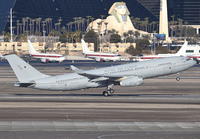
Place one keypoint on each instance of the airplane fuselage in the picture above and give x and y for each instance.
(102, 56)
(48, 57)
(143, 70)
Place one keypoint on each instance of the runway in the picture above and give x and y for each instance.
(160, 108)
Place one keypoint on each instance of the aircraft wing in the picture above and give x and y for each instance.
(98, 77)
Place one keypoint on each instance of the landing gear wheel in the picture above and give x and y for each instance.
(177, 78)
(105, 93)
(111, 91)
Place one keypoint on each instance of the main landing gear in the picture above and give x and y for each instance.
(178, 78)
(108, 90)
(106, 93)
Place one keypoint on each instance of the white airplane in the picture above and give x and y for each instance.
(100, 57)
(126, 75)
(1, 56)
(181, 52)
(44, 57)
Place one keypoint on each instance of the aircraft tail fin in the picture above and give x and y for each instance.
(84, 46)
(31, 48)
(24, 72)
(182, 50)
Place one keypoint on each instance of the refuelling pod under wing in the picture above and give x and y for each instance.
(131, 81)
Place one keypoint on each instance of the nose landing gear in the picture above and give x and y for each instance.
(178, 78)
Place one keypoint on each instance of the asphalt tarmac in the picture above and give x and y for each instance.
(160, 108)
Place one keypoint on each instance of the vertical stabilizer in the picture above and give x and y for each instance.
(31, 49)
(182, 50)
(84, 46)
(24, 72)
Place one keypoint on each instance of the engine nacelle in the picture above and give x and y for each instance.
(132, 81)
(98, 59)
(44, 60)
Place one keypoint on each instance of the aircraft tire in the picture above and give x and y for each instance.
(111, 91)
(105, 93)
(177, 78)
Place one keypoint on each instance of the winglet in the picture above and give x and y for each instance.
(77, 70)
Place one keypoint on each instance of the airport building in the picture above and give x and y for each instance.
(62, 48)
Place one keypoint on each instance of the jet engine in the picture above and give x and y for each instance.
(44, 60)
(132, 81)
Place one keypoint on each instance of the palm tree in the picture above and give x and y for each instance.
(171, 26)
(43, 25)
(88, 19)
(17, 27)
(137, 21)
(99, 26)
(173, 16)
(39, 20)
(77, 36)
(71, 23)
(186, 23)
(68, 24)
(33, 27)
(180, 24)
(24, 22)
(20, 25)
(150, 27)
(47, 25)
(56, 26)
(75, 20)
(30, 24)
(63, 29)
(27, 18)
(106, 24)
(92, 19)
(102, 16)
(137, 34)
(50, 25)
(83, 23)
(132, 18)
(79, 22)
(146, 22)
(154, 23)
(59, 22)
(175, 22)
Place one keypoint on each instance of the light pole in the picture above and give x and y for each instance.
(11, 38)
